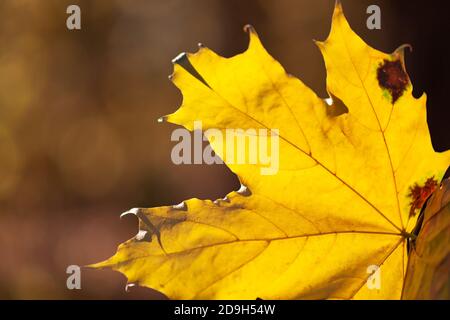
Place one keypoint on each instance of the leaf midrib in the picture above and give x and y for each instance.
(265, 240)
(378, 122)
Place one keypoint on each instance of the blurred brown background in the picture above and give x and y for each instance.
(79, 141)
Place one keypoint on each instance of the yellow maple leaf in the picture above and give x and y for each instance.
(342, 201)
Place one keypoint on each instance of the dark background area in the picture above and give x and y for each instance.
(79, 140)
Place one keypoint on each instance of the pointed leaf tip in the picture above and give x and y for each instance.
(179, 57)
(133, 211)
(248, 28)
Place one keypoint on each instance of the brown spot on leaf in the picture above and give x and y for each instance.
(420, 194)
(392, 77)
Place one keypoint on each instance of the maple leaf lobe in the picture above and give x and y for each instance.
(392, 77)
